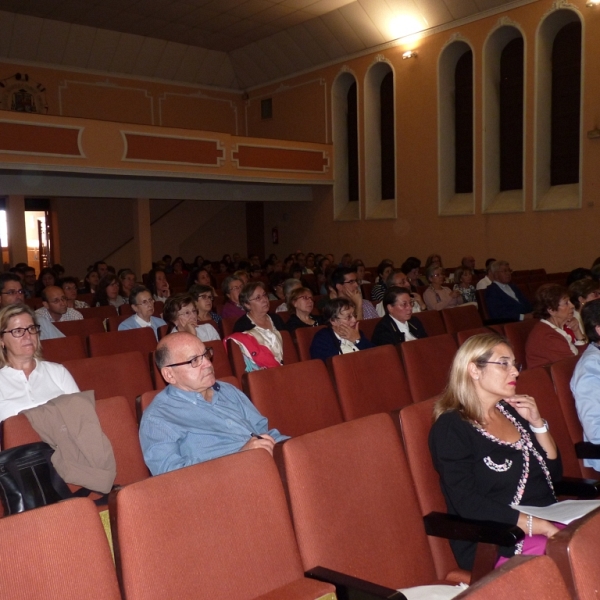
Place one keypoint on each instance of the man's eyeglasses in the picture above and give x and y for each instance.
(505, 364)
(20, 331)
(13, 293)
(195, 361)
(405, 304)
(351, 281)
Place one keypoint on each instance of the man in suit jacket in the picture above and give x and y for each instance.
(398, 325)
(504, 300)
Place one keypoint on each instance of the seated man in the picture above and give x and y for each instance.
(195, 418)
(344, 284)
(398, 279)
(505, 301)
(55, 306)
(486, 281)
(11, 292)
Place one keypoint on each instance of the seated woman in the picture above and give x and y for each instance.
(232, 286)
(436, 296)
(398, 325)
(26, 380)
(158, 285)
(300, 306)
(261, 324)
(463, 277)
(127, 282)
(585, 382)
(69, 286)
(581, 292)
(204, 295)
(46, 278)
(411, 267)
(142, 303)
(342, 336)
(558, 334)
(181, 315)
(383, 272)
(492, 448)
(108, 292)
(90, 283)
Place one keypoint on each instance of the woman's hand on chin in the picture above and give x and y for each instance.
(527, 408)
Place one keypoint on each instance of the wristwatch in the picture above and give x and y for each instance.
(543, 429)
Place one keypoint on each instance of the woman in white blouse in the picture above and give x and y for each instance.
(26, 380)
(181, 314)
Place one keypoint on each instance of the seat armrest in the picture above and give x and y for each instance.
(584, 489)
(353, 588)
(454, 527)
(587, 450)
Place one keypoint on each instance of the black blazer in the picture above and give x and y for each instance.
(387, 332)
(244, 323)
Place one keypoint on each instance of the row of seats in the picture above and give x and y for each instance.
(223, 529)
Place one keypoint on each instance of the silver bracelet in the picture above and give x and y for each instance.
(543, 429)
(530, 525)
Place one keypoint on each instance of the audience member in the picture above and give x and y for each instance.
(179, 267)
(436, 296)
(463, 276)
(505, 301)
(344, 284)
(486, 281)
(195, 418)
(203, 296)
(300, 306)
(142, 303)
(181, 314)
(585, 383)
(199, 276)
(158, 285)
(411, 267)
(433, 259)
(11, 292)
(232, 286)
(127, 282)
(342, 336)
(398, 279)
(46, 278)
(55, 307)
(90, 283)
(107, 293)
(359, 265)
(578, 274)
(558, 334)
(383, 272)
(398, 325)
(289, 285)
(580, 292)
(29, 280)
(101, 268)
(69, 286)
(26, 380)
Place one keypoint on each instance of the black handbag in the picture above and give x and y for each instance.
(28, 478)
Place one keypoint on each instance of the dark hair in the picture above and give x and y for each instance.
(198, 289)
(69, 279)
(391, 295)
(577, 274)
(582, 288)
(412, 262)
(333, 308)
(194, 275)
(101, 295)
(548, 297)
(5, 277)
(226, 283)
(590, 314)
(294, 295)
(174, 304)
(488, 263)
(152, 280)
(339, 274)
(138, 289)
(382, 266)
(460, 272)
(39, 284)
(248, 290)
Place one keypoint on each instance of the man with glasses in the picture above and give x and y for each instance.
(505, 301)
(11, 292)
(195, 418)
(55, 306)
(399, 279)
(344, 284)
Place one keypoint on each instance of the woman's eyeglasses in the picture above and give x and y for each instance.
(19, 332)
(506, 365)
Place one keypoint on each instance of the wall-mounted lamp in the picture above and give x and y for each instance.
(411, 54)
(593, 134)
(591, 3)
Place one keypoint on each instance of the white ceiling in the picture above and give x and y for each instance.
(233, 44)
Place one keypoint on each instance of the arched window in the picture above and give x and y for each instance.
(463, 124)
(352, 127)
(511, 116)
(388, 150)
(566, 101)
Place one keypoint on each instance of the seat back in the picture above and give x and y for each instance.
(82, 328)
(575, 551)
(463, 336)
(192, 533)
(415, 423)
(461, 318)
(516, 334)
(296, 398)
(61, 349)
(367, 326)
(126, 310)
(304, 338)
(124, 374)
(115, 342)
(58, 552)
(290, 354)
(432, 322)
(522, 578)
(354, 505)
(112, 323)
(116, 422)
(427, 364)
(538, 383)
(227, 324)
(236, 359)
(370, 382)
(98, 312)
(482, 305)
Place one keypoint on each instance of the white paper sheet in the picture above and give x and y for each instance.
(562, 512)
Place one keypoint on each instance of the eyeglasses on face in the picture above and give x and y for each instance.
(145, 302)
(505, 364)
(187, 313)
(235, 288)
(205, 297)
(195, 361)
(307, 298)
(259, 297)
(13, 293)
(19, 332)
(405, 304)
(351, 281)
